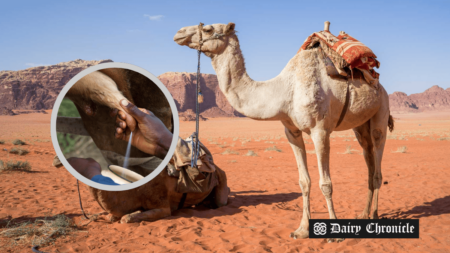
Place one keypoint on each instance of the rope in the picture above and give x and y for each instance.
(79, 197)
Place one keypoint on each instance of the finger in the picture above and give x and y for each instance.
(113, 113)
(132, 110)
(119, 130)
(120, 123)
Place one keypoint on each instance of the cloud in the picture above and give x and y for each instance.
(156, 17)
(35, 64)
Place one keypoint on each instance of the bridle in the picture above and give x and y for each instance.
(195, 135)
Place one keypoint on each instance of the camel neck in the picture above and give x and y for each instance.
(254, 99)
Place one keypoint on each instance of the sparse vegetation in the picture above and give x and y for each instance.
(230, 152)
(233, 161)
(19, 151)
(273, 148)
(2, 141)
(251, 153)
(402, 149)
(348, 150)
(16, 166)
(40, 232)
(391, 137)
(444, 139)
(18, 142)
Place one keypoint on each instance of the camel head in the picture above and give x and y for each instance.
(215, 37)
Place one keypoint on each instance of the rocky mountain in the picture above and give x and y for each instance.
(182, 86)
(433, 99)
(37, 88)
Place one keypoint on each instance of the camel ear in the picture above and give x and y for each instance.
(229, 28)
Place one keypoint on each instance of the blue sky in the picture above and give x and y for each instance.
(410, 38)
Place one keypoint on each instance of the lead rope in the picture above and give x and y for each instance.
(198, 100)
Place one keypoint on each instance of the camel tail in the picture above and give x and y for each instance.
(391, 123)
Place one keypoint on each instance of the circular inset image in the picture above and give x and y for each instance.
(114, 126)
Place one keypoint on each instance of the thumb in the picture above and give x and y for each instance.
(132, 110)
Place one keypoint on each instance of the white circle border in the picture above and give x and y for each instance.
(124, 187)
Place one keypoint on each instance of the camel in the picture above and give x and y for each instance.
(306, 100)
(94, 96)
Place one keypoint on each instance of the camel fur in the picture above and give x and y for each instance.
(306, 100)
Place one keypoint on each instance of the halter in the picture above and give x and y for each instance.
(194, 136)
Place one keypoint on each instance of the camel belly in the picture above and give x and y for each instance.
(364, 102)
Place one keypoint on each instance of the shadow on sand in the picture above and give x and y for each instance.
(435, 207)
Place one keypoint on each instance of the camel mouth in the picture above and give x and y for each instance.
(181, 40)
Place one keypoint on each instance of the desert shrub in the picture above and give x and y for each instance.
(17, 166)
(230, 152)
(18, 142)
(444, 139)
(233, 161)
(348, 150)
(391, 137)
(273, 148)
(19, 151)
(40, 232)
(402, 149)
(2, 165)
(2, 141)
(251, 153)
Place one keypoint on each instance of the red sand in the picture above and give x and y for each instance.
(265, 203)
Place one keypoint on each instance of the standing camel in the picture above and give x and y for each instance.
(306, 100)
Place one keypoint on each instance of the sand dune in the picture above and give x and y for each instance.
(265, 203)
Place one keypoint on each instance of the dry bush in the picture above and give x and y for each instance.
(273, 148)
(270, 142)
(235, 138)
(16, 166)
(346, 140)
(40, 232)
(391, 137)
(230, 152)
(18, 142)
(19, 151)
(444, 139)
(251, 153)
(348, 150)
(401, 149)
(233, 161)
(402, 138)
(2, 141)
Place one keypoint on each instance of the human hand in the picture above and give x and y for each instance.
(150, 135)
(86, 167)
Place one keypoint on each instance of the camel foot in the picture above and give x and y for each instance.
(363, 215)
(300, 233)
(375, 215)
(330, 240)
(128, 218)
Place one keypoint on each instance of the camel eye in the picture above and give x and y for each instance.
(208, 29)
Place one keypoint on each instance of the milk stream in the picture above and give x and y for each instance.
(127, 155)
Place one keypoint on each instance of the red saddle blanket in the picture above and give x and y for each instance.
(354, 52)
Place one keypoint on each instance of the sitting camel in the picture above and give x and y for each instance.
(306, 100)
(94, 96)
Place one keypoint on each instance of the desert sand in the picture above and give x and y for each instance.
(265, 203)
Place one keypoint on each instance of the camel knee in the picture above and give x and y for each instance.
(377, 135)
(305, 186)
(377, 179)
(327, 189)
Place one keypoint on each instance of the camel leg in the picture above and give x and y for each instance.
(296, 140)
(364, 138)
(150, 215)
(378, 130)
(321, 139)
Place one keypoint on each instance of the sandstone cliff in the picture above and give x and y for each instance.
(37, 88)
(433, 99)
(182, 86)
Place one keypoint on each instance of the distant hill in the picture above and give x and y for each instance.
(433, 99)
(37, 88)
